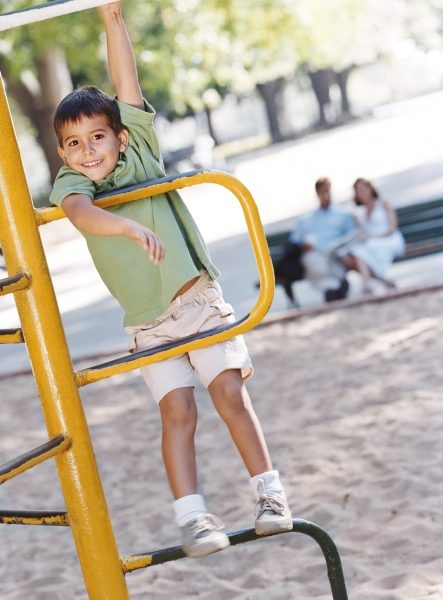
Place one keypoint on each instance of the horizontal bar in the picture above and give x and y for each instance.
(11, 336)
(15, 283)
(34, 517)
(33, 457)
(136, 360)
(44, 11)
(327, 545)
(415, 250)
(138, 191)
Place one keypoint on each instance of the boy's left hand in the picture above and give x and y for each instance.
(146, 239)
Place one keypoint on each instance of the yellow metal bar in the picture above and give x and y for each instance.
(10, 285)
(51, 362)
(11, 336)
(16, 517)
(259, 246)
(132, 563)
(34, 457)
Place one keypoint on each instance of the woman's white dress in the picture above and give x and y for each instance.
(378, 253)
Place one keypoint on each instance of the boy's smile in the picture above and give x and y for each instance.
(91, 147)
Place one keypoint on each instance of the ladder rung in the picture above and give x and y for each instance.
(11, 336)
(327, 545)
(33, 457)
(113, 367)
(34, 517)
(158, 557)
(15, 283)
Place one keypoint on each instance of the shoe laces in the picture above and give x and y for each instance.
(205, 523)
(268, 501)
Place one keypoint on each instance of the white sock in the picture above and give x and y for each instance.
(271, 481)
(188, 508)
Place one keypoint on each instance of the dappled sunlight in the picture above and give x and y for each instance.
(397, 340)
(309, 326)
(97, 415)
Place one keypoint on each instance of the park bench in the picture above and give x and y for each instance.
(421, 225)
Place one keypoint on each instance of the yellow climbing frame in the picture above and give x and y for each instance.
(57, 382)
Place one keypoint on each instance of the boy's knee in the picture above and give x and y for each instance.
(178, 409)
(229, 394)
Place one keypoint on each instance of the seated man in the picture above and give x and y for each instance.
(314, 247)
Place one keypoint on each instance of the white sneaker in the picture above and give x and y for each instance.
(272, 514)
(203, 535)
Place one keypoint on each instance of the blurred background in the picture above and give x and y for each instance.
(278, 92)
(232, 74)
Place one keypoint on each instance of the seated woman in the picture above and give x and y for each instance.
(380, 240)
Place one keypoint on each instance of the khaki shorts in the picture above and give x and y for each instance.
(200, 308)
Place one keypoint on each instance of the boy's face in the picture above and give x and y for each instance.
(91, 147)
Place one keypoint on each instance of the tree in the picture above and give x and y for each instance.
(185, 47)
(261, 37)
(37, 75)
(339, 35)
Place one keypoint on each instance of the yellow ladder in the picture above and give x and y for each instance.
(57, 382)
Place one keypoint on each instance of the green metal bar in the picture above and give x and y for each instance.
(327, 545)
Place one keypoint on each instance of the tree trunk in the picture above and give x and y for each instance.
(55, 83)
(38, 102)
(321, 83)
(272, 95)
(342, 82)
(211, 130)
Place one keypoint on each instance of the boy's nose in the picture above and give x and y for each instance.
(87, 149)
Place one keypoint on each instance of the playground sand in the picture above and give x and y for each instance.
(350, 402)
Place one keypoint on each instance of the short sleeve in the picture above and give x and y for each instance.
(69, 182)
(140, 124)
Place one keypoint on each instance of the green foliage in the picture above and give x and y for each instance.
(343, 33)
(184, 47)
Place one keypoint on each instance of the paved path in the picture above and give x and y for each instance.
(401, 148)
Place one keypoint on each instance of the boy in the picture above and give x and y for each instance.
(152, 258)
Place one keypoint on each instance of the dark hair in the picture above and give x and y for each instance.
(368, 184)
(322, 181)
(86, 101)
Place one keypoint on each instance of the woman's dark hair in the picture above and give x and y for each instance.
(86, 101)
(368, 184)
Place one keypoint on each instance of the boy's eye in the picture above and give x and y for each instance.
(73, 143)
(98, 136)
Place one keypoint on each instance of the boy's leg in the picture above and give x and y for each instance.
(231, 399)
(201, 532)
(178, 412)
(232, 402)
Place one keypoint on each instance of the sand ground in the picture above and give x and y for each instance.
(350, 402)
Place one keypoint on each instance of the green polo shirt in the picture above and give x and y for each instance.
(143, 289)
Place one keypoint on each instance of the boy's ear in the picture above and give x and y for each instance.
(62, 154)
(123, 138)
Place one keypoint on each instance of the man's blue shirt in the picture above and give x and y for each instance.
(322, 227)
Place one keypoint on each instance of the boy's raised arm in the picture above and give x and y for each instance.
(121, 60)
